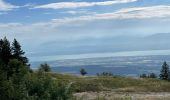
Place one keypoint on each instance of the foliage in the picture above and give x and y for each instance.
(5, 50)
(143, 76)
(45, 67)
(151, 75)
(164, 71)
(83, 72)
(18, 83)
(43, 87)
(18, 53)
(105, 74)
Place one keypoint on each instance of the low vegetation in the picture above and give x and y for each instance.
(151, 75)
(114, 83)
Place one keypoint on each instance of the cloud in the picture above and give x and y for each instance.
(76, 12)
(62, 5)
(161, 11)
(127, 13)
(4, 6)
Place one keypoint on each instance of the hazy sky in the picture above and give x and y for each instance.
(41, 22)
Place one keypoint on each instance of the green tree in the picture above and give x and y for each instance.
(5, 51)
(143, 76)
(105, 74)
(13, 82)
(45, 67)
(83, 72)
(1, 45)
(17, 67)
(164, 71)
(19, 79)
(5, 54)
(18, 53)
(152, 75)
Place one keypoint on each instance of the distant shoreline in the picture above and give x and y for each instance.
(97, 55)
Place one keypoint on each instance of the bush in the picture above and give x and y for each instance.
(45, 67)
(105, 74)
(143, 76)
(83, 71)
(151, 75)
(41, 86)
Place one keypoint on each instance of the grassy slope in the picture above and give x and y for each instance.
(115, 84)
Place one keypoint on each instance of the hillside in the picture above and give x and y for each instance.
(116, 87)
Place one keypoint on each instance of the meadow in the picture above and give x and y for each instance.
(115, 87)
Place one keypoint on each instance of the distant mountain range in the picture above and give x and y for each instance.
(160, 41)
(160, 36)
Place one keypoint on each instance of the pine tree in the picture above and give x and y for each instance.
(164, 71)
(1, 45)
(5, 51)
(18, 53)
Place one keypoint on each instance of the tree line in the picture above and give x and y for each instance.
(164, 73)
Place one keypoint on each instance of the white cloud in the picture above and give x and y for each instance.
(4, 6)
(82, 11)
(74, 12)
(128, 13)
(62, 5)
(143, 12)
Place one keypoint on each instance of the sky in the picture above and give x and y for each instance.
(46, 27)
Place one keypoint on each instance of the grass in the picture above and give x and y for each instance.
(122, 96)
(117, 83)
(114, 88)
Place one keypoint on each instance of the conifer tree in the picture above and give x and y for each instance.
(164, 71)
(1, 44)
(5, 50)
(18, 53)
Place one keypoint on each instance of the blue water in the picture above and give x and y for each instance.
(122, 63)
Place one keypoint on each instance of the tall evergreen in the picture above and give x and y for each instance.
(18, 53)
(164, 71)
(5, 50)
(1, 44)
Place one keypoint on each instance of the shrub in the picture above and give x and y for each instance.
(105, 74)
(83, 72)
(45, 67)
